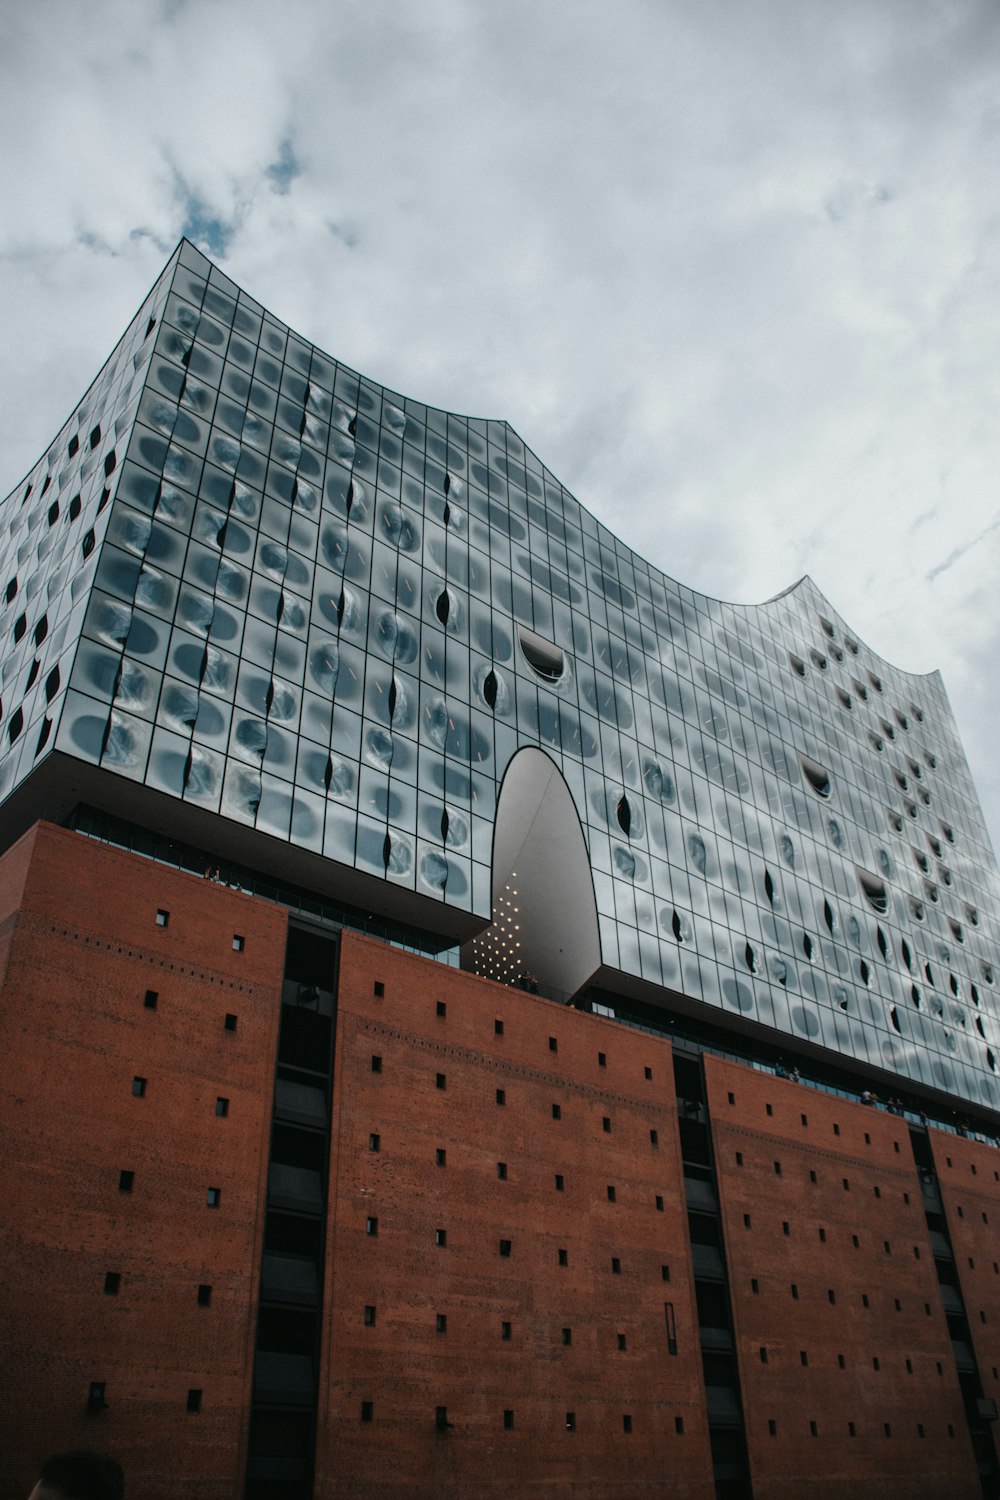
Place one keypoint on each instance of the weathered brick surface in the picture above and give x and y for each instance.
(968, 1176)
(74, 1032)
(881, 1205)
(406, 1368)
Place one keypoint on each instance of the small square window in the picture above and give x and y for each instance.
(441, 1418)
(747, 1222)
(441, 1081)
(556, 1112)
(230, 1021)
(112, 1282)
(151, 999)
(374, 1142)
(803, 1357)
(505, 1247)
(505, 1331)
(836, 1129)
(622, 1341)
(732, 1098)
(162, 917)
(560, 1182)
(812, 1175)
(611, 1193)
(441, 1323)
(194, 1400)
(502, 1171)
(626, 1423)
(567, 1336)
(804, 1119)
(887, 1429)
(616, 1266)
(508, 1419)
(909, 1367)
(841, 1362)
(795, 1292)
(654, 1138)
(498, 1027)
(665, 1273)
(769, 1109)
(739, 1158)
(777, 1169)
(126, 1181)
(213, 1197)
(367, 1411)
(647, 1073)
(772, 1427)
(855, 1242)
(847, 1185)
(571, 1421)
(786, 1228)
(659, 1203)
(239, 942)
(440, 1156)
(606, 1125)
(602, 1060)
(831, 1296)
(813, 1429)
(139, 1087)
(501, 1096)
(376, 1062)
(553, 1044)
(755, 1286)
(679, 1426)
(763, 1355)
(370, 1315)
(440, 1236)
(564, 1257)
(221, 1106)
(441, 1008)
(852, 1430)
(898, 1305)
(371, 1225)
(204, 1294)
(378, 989)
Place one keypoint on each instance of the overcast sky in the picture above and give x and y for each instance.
(731, 269)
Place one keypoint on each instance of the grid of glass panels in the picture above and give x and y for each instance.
(304, 616)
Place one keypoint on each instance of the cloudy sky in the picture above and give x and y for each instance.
(731, 269)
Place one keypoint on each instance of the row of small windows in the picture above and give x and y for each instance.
(765, 1353)
(97, 1397)
(852, 1429)
(505, 1247)
(441, 1010)
(126, 1184)
(370, 1319)
(113, 1283)
(831, 1297)
(442, 1423)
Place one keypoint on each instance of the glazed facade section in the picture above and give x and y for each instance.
(251, 579)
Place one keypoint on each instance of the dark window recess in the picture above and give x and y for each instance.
(571, 1421)
(441, 1323)
(501, 1096)
(616, 1266)
(239, 942)
(214, 1197)
(368, 1411)
(151, 999)
(221, 1107)
(502, 1171)
(556, 1112)
(440, 1157)
(559, 1182)
(126, 1181)
(612, 1195)
(112, 1283)
(553, 1044)
(95, 1395)
(230, 1022)
(606, 1125)
(602, 1060)
(647, 1073)
(508, 1419)
(374, 1142)
(498, 1028)
(139, 1087)
(563, 1257)
(441, 1008)
(162, 917)
(376, 1063)
(371, 1225)
(204, 1294)
(626, 1423)
(505, 1332)
(622, 1342)
(654, 1139)
(379, 989)
(441, 1081)
(567, 1336)
(440, 1236)
(369, 1316)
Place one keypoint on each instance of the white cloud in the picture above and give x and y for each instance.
(732, 271)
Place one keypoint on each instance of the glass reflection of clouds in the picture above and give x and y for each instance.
(260, 583)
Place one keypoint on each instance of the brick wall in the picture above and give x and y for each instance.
(75, 1030)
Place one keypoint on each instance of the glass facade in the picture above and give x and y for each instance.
(248, 577)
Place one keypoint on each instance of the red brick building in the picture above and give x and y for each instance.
(274, 1190)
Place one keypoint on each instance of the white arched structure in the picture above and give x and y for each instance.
(545, 926)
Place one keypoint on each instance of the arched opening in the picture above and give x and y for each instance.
(544, 934)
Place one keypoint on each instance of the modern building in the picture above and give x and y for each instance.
(479, 1017)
